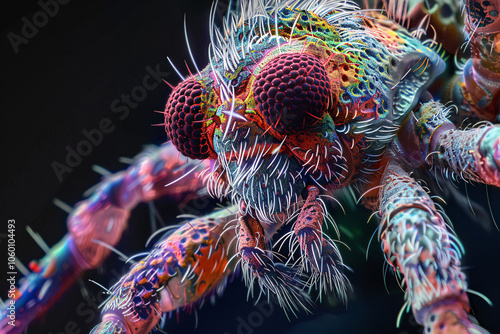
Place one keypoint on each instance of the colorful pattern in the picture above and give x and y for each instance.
(301, 98)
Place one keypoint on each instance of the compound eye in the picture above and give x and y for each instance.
(292, 92)
(184, 119)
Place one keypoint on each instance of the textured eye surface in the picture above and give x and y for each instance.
(184, 115)
(292, 91)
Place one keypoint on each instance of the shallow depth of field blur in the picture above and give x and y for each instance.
(65, 79)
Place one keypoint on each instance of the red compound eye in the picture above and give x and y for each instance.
(184, 115)
(292, 92)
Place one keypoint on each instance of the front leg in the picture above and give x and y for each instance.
(257, 263)
(156, 173)
(318, 252)
(182, 269)
(418, 244)
(99, 221)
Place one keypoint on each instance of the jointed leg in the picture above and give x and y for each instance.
(182, 269)
(418, 244)
(473, 154)
(257, 263)
(104, 215)
(99, 221)
(478, 88)
(317, 250)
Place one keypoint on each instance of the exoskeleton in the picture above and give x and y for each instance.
(300, 101)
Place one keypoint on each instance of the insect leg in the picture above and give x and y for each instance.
(157, 173)
(418, 244)
(479, 86)
(472, 154)
(99, 221)
(180, 271)
(257, 263)
(318, 251)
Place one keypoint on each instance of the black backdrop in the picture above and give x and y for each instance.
(64, 78)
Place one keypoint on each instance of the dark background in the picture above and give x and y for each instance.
(64, 80)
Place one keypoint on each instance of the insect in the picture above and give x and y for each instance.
(234, 113)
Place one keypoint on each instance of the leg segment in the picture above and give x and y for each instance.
(182, 269)
(308, 230)
(317, 250)
(479, 87)
(257, 263)
(104, 215)
(473, 154)
(100, 220)
(418, 244)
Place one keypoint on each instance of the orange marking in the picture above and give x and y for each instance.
(426, 63)
(419, 66)
(50, 269)
(213, 268)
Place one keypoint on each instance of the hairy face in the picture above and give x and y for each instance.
(312, 101)
(274, 136)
